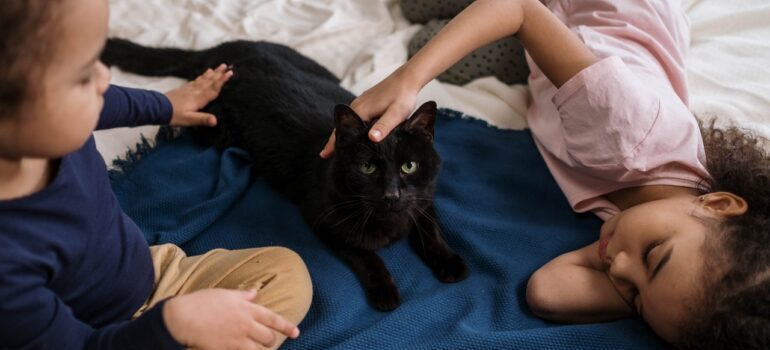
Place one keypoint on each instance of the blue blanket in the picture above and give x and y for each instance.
(496, 201)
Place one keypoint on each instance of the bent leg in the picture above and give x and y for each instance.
(278, 274)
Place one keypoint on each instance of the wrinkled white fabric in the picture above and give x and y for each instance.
(362, 41)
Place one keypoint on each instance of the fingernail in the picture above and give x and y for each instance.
(295, 333)
(376, 134)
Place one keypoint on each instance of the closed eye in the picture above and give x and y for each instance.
(646, 253)
(665, 256)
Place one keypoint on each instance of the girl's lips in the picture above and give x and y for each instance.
(603, 248)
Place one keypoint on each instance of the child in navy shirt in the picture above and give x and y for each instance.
(75, 271)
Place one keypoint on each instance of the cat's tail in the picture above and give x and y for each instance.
(134, 58)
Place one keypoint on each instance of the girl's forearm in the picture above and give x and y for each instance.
(557, 51)
(483, 22)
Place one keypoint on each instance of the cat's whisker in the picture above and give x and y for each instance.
(346, 218)
(358, 228)
(330, 210)
(368, 215)
(427, 215)
(418, 227)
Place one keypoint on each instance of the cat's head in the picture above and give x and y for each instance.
(393, 176)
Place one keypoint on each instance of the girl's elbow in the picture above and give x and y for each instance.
(542, 295)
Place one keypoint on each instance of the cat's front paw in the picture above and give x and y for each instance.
(384, 298)
(454, 269)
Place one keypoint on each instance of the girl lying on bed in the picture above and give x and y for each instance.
(75, 271)
(684, 243)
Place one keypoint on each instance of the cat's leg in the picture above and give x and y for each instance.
(430, 245)
(379, 287)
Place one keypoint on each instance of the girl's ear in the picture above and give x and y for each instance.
(723, 204)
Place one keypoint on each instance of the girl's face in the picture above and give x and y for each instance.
(653, 254)
(59, 119)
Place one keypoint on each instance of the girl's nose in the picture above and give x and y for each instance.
(621, 266)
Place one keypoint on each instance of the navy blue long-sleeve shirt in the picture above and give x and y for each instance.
(73, 267)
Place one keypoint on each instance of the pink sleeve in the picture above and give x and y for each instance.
(617, 132)
(606, 114)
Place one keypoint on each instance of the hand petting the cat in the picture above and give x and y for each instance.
(188, 99)
(393, 99)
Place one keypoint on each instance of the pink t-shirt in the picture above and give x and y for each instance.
(623, 121)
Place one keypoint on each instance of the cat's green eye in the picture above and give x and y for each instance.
(367, 168)
(409, 167)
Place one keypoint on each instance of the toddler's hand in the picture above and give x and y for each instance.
(223, 319)
(190, 98)
(392, 99)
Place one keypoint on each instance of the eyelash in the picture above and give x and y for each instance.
(647, 251)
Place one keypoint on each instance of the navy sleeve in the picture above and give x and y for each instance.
(33, 317)
(133, 107)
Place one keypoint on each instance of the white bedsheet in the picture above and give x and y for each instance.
(362, 41)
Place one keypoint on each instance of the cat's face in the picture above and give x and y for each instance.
(392, 177)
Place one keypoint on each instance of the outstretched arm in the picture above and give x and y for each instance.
(179, 107)
(558, 52)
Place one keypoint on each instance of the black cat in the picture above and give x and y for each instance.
(278, 106)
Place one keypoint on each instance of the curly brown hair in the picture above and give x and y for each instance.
(734, 307)
(25, 44)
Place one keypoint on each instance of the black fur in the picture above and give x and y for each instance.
(281, 107)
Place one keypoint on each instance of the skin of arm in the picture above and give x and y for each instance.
(558, 52)
(573, 288)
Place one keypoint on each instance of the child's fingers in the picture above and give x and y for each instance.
(212, 74)
(262, 335)
(329, 147)
(198, 119)
(274, 321)
(222, 79)
(386, 124)
(206, 75)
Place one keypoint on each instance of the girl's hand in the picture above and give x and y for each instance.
(190, 98)
(223, 319)
(392, 99)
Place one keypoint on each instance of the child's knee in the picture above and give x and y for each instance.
(295, 276)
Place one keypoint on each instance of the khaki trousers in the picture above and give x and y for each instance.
(278, 274)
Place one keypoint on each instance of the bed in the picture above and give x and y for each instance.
(361, 42)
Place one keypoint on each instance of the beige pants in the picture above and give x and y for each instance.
(278, 274)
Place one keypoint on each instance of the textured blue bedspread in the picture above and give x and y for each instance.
(498, 206)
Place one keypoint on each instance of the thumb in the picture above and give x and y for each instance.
(200, 119)
(249, 295)
(329, 148)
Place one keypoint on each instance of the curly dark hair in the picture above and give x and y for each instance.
(734, 308)
(25, 44)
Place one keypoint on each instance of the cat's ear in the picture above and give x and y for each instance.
(349, 125)
(422, 120)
